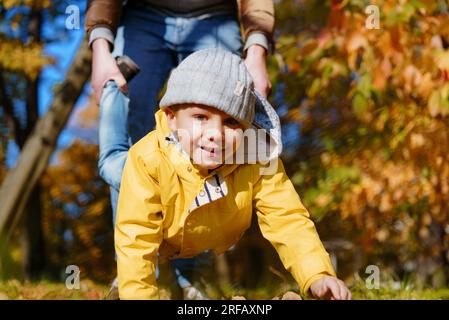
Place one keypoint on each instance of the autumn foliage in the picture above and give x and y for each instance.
(372, 108)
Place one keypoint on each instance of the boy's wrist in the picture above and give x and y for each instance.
(307, 286)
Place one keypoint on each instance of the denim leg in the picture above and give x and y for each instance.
(114, 202)
(144, 42)
(113, 138)
(214, 32)
(186, 269)
(141, 37)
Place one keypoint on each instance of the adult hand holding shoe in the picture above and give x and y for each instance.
(104, 68)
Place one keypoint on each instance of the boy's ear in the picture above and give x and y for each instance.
(171, 118)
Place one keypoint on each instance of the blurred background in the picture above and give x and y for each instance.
(362, 89)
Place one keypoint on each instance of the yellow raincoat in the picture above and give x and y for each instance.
(165, 206)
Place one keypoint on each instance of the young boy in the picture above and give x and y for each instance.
(185, 189)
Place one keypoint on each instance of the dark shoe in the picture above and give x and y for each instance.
(127, 67)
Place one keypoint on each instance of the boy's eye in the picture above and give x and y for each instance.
(232, 122)
(200, 117)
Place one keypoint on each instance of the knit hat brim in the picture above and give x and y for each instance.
(266, 118)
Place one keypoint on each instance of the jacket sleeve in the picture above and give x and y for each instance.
(102, 19)
(138, 230)
(257, 19)
(285, 222)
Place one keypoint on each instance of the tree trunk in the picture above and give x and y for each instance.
(32, 240)
(18, 184)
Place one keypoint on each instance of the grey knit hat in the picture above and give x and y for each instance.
(219, 79)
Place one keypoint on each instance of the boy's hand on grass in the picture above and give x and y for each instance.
(255, 62)
(104, 68)
(329, 287)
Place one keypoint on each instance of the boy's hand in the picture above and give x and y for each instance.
(104, 68)
(329, 287)
(255, 62)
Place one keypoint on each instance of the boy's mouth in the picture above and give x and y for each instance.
(211, 151)
(209, 148)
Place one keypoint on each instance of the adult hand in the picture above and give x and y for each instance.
(255, 62)
(104, 68)
(329, 287)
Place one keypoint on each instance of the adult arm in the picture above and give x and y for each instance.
(257, 21)
(102, 19)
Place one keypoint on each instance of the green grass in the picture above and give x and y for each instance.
(401, 293)
(15, 290)
(389, 290)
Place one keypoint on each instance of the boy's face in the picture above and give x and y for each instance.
(208, 135)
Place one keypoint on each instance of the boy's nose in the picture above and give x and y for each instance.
(214, 133)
